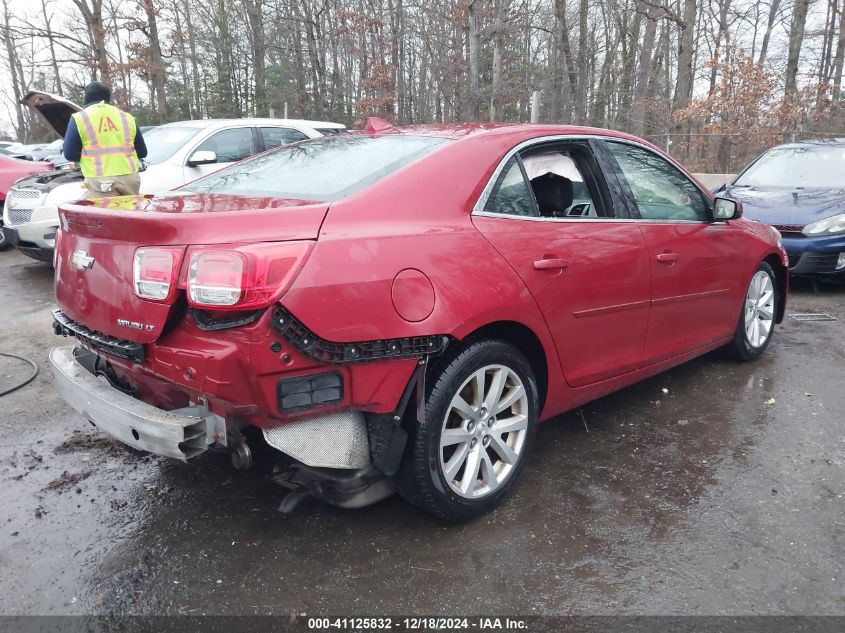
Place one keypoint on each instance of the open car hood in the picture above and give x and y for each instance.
(53, 110)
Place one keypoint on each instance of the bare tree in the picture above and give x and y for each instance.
(796, 39)
(92, 13)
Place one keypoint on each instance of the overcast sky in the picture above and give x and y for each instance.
(63, 14)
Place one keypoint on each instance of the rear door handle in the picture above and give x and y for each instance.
(668, 258)
(550, 264)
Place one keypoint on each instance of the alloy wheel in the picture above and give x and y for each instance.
(484, 431)
(759, 309)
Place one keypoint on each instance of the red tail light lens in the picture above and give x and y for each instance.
(154, 272)
(215, 278)
(243, 277)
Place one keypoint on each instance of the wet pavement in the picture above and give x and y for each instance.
(714, 488)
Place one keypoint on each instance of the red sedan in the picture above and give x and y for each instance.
(399, 308)
(12, 170)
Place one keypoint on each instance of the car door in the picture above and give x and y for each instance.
(694, 271)
(229, 145)
(585, 264)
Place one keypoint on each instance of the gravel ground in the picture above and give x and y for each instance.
(714, 488)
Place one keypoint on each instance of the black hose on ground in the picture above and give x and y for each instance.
(31, 377)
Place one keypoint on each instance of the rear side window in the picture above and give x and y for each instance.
(511, 194)
(275, 136)
(324, 169)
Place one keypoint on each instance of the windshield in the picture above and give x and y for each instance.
(323, 170)
(163, 142)
(811, 167)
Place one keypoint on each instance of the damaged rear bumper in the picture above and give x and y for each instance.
(181, 434)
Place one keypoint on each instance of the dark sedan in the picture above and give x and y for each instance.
(799, 188)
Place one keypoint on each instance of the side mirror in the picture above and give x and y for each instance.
(202, 157)
(727, 209)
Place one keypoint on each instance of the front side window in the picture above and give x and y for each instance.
(275, 136)
(230, 145)
(660, 190)
(324, 169)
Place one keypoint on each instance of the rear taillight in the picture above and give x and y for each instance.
(215, 278)
(154, 272)
(242, 277)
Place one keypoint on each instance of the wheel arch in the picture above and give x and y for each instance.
(782, 279)
(524, 339)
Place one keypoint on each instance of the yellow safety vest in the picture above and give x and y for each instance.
(108, 141)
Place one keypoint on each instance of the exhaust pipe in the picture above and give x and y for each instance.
(241, 456)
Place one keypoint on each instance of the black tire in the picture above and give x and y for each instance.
(740, 348)
(421, 480)
(4, 243)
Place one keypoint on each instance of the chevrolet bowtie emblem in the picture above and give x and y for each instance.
(82, 260)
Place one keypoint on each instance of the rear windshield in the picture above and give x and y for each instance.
(163, 142)
(811, 167)
(323, 170)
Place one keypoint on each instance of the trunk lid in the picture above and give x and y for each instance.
(97, 242)
(53, 110)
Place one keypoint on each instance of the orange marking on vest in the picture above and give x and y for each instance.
(107, 125)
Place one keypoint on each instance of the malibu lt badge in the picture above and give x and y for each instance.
(146, 327)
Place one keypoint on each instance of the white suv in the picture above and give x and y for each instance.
(177, 154)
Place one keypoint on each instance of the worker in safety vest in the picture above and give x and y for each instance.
(106, 143)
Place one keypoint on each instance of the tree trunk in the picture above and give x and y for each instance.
(583, 69)
(93, 17)
(48, 29)
(496, 108)
(796, 39)
(629, 28)
(565, 65)
(22, 127)
(159, 76)
(722, 33)
(255, 16)
(770, 25)
(840, 55)
(474, 37)
(683, 85)
(195, 73)
(638, 111)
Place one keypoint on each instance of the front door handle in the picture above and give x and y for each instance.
(550, 264)
(668, 258)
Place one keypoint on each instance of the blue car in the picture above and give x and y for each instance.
(799, 188)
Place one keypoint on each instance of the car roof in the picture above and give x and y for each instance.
(525, 131)
(813, 142)
(204, 123)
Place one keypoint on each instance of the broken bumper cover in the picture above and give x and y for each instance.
(178, 434)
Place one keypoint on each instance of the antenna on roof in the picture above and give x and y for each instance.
(377, 124)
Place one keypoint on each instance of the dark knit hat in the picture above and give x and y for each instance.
(95, 91)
